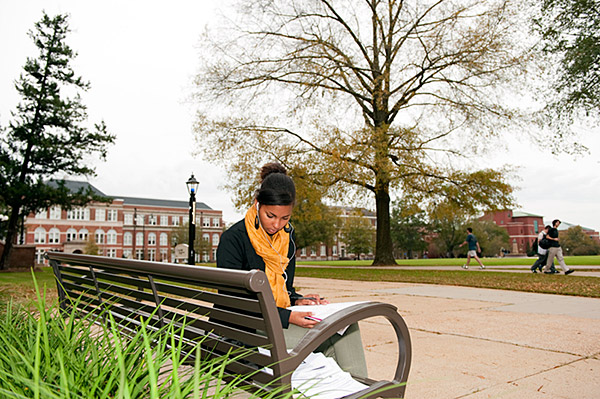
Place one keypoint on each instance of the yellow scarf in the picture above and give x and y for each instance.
(274, 254)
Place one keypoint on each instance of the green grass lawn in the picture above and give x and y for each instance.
(570, 260)
(528, 282)
(19, 286)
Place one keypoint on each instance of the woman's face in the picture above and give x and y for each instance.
(274, 217)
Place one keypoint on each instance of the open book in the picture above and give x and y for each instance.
(321, 312)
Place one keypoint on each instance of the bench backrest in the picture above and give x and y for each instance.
(233, 309)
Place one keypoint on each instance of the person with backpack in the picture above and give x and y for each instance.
(555, 250)
(542, 250)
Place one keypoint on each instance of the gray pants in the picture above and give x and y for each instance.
(347, 350)
(552, 252)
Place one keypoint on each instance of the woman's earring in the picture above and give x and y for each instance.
(256, 222)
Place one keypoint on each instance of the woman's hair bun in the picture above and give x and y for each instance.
(276, 187)
(270, 168)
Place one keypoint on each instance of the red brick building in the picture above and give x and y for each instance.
(522, 228)
(127, 227)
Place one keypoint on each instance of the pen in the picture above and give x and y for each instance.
(313, 318)
(310, 297)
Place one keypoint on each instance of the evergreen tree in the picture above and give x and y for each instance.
(47, 137)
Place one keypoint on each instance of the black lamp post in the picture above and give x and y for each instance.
(192, 186)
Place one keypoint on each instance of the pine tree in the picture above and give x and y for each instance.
(47, 137)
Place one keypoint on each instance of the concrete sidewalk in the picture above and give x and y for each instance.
(480, 343)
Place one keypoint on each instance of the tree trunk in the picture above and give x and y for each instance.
(384, 251)
(11, 233)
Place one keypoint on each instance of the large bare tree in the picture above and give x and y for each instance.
(367, 96)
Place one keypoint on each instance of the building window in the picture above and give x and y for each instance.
(205, 257)
(164, 220)
(127, 238)
(111, 237)
(139, 220)
(163, 239)
(152, 255)
(112, 215)
(139, 254)
(205, 222)
(175, 220)
(216, 222)
(139, 239)
(39, 236)
(152, 220)
(303, 252)
(205, 237)
(99, 236)
(100, 215)
(312, 251)
(323, 250)
(128, 218)
(78, 214)
(111, 253)
(127, 253)
(43, 214)
(164, 255)
(536, 227)
(83, 234)
(55, 213)
(54, 236)
(71, 234)
(214, 254)
(152, 239)
(334, 250)
(215, 239)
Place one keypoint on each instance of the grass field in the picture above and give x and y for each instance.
(19, 286)
(528, 282)
(570, 260)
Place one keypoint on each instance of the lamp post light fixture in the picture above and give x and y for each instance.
(192, 186)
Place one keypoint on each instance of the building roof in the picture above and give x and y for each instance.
(566, 226)
(159, 202)
(521, 214)
(74, 185)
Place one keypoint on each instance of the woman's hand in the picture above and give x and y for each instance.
(318, 300)
(300, 319)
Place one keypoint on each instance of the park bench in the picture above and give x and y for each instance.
(227, 309)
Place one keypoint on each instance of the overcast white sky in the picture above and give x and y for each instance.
(140, 58)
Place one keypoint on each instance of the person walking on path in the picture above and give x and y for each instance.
(474, 247)
(542, 253)
(555, 250)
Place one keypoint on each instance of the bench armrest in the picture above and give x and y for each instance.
(332, 324)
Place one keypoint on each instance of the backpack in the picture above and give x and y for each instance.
(544, 243)
(534, 245)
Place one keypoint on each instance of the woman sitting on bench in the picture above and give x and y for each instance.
(264, 240)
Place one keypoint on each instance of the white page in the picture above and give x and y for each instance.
(320, 377)
(324, 311)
